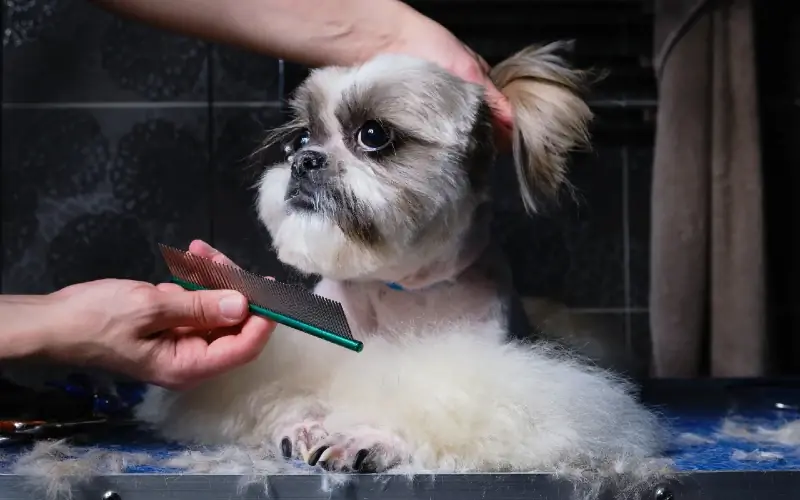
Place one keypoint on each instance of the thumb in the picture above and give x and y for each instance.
(201, 309)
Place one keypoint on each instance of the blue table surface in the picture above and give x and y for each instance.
(694, 413)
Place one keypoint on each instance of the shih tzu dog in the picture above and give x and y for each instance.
(384, 193)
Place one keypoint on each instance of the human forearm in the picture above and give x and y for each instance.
(26, 323)
(311, 32)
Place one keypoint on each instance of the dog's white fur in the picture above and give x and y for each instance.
(458, 400)
(439, 385)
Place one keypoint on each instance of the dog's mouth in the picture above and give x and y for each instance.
(303, 197)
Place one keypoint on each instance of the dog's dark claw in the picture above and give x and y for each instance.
(359, 461)
(325, 465)
(314, 458)
(286, 448)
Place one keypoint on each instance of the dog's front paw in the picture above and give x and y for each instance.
(297, 440)
(363, 450)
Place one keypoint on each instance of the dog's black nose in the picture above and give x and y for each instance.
(306, 161)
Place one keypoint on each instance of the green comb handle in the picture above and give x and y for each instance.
(353, 345)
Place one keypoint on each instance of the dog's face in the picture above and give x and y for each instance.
(385, 165)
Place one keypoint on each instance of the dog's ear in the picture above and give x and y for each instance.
(550, 118)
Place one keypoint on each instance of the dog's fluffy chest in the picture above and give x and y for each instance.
(377, 309)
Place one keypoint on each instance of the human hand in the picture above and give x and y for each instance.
(430, 40)
(161, 334)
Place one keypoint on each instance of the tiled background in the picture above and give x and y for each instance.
(778, 37)
(117, 136)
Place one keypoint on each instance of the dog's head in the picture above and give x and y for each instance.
(386, 163)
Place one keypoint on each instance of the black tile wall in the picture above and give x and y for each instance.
(243, 76)
(624, 337)
(638, 162)
(69, 51)
(117, 136)
(779, 82)
(576, 254)
(607, 35)
(87, 193)
(639, 339)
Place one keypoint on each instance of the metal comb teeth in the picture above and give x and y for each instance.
(292, 305)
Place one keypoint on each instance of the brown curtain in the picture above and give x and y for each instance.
(707, 303)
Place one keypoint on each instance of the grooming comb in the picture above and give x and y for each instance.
(291, 305)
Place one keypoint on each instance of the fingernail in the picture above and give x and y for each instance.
(205, 246)
(232, 306)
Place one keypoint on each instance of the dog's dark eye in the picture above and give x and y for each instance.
(373, 137)
(301, 140)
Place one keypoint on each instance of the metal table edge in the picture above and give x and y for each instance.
(684, 485)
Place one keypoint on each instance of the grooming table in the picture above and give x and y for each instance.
(712, 465)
